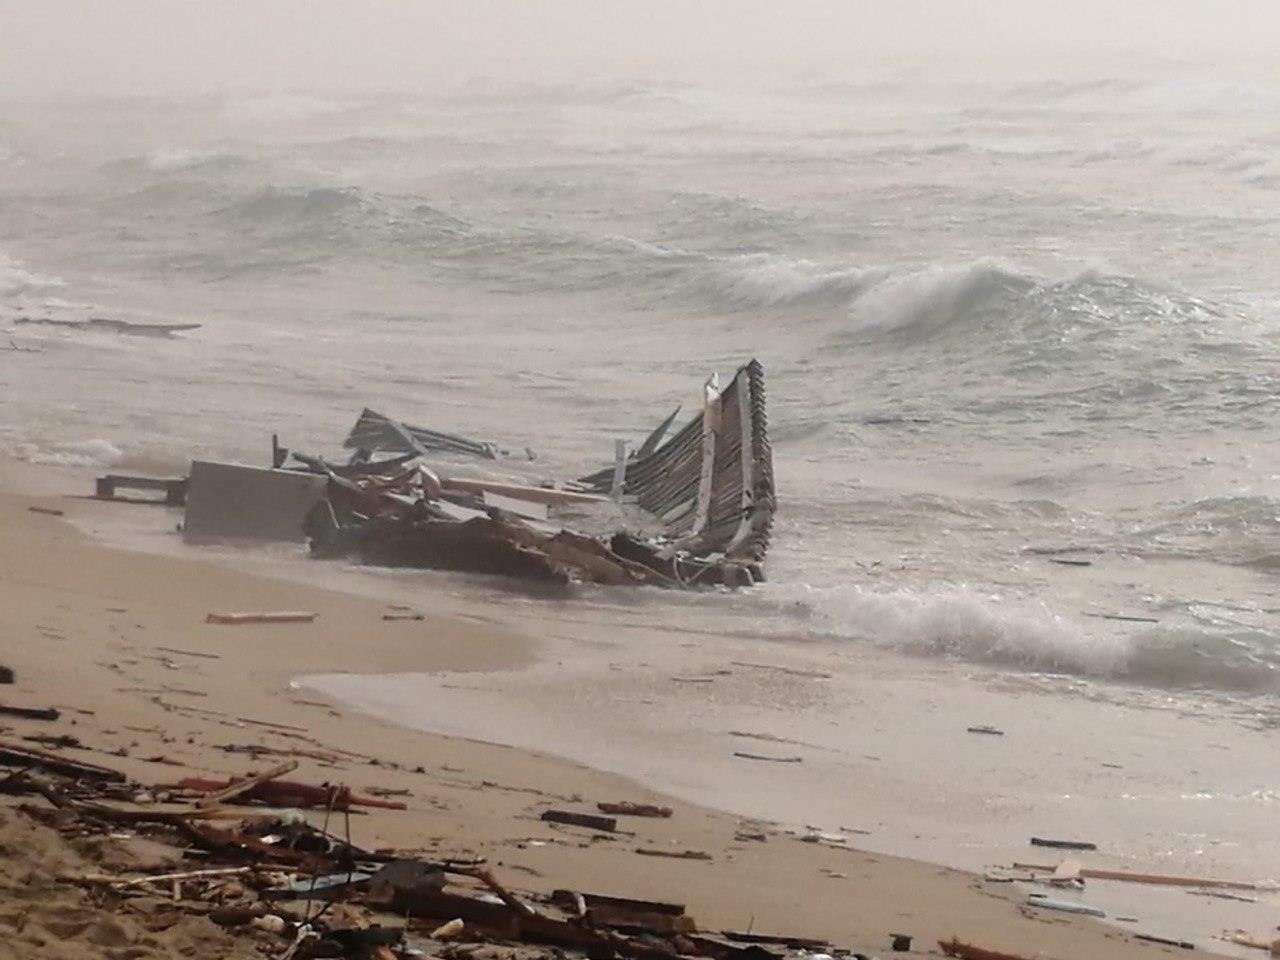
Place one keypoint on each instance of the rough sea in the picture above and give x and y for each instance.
(1005, 323)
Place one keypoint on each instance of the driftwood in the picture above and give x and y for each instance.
(794, 943)
(190, 653)
(629, 809)
(761, 756)
(239, 787)
(591, 821)
(1063, 844)
(288, 793)
(1069, 869)
(286, 616)
(674, 854)
(215, 872)
(14, 755)
(1164, 941)
(30, 713)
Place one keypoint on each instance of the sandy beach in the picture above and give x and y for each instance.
(97, 632)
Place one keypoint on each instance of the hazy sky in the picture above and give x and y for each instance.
(162, 46)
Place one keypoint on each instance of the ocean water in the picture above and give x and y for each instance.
(1005, 321)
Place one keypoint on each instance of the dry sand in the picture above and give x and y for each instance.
(84, 626)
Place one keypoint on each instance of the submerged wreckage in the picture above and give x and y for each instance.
(691, 507)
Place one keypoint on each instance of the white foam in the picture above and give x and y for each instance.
(15, 279)
(876, 298)
(77, 453)
(768, 280)
(930, 298)
(962, 623)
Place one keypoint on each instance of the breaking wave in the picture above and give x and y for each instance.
(15, 279)
(872, 299)
(963, 625)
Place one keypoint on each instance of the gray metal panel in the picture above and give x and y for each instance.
(228, 501)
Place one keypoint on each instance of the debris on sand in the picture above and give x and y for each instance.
(267, 873)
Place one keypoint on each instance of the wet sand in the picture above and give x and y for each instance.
(85, 625)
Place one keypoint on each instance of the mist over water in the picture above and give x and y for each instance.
(1004, 320)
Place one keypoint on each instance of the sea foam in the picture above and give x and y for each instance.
(76, 453)
(15, 279)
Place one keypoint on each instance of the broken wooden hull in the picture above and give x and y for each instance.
(708, 490)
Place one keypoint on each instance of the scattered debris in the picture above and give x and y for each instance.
(605, 824)
(13, 755)
(51, 511)
(674, 854)
(1068, 562)
(1219, 895)
(236, 619)
(245, 872)
(626, 914)
(760, 756)
(1064, 906)
(1073, 868)
(173, 488)
(404, 616)
(992, 731)
(629, 809)
(793, 943)
(1063, 844)
(447, 931)
(238, 787)
(190, 653)
(1164, 941)
(281, 793)
(30, 713)
(373, 432)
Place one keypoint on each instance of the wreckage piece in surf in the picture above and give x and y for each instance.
(696, 509)
(375, 432)
(711, 485)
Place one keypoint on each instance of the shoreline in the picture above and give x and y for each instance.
(474, 797)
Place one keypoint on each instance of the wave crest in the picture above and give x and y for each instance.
(873, 299)
(15, 279)
(964, 625)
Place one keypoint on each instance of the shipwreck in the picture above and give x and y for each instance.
(689, 506)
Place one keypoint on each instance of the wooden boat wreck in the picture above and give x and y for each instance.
(690, 509)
